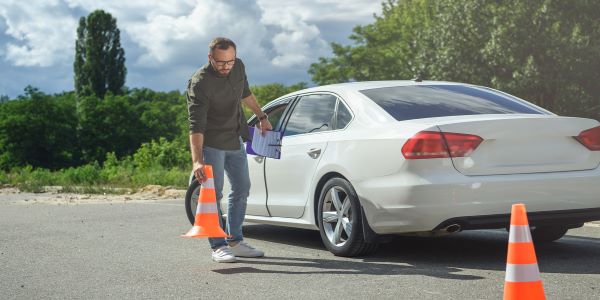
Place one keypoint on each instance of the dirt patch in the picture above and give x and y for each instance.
(53, 196)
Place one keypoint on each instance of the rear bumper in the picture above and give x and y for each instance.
(572, 218)
(411, 202)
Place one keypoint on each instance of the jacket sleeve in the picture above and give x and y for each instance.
(198, 105)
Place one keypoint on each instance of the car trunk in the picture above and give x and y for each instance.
(527, 144)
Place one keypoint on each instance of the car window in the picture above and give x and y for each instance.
(427, 101)
(343, 116)
(313, 113)
(275, 112)
(275, 115)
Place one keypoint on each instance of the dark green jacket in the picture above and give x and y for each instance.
(214, 106)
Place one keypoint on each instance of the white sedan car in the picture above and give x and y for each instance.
(362, 161)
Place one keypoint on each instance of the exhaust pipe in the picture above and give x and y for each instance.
(452, 228)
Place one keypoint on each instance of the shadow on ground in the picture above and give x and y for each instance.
(441, 257)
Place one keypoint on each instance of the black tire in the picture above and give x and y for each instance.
(547, 234)
(340, 243)
(191, 200)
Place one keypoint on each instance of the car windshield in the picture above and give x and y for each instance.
(428, 101)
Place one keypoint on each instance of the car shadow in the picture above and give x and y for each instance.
(441, 256)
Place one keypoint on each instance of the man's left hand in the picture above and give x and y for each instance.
(265, 125)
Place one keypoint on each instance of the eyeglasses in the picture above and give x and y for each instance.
(222, 63)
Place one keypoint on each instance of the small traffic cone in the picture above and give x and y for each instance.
(522, 279)
(206, 223)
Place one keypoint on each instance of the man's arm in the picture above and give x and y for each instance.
(196, 142)
(198, 105)
(251, 102)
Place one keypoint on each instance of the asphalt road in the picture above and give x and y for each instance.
(130, 251)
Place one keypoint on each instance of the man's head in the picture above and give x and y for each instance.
(221, 54)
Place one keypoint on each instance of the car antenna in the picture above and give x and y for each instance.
(418, 78)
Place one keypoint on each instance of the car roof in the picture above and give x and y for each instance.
(365, 85)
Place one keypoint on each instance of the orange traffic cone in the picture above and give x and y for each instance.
(522, 279)
(206, 223)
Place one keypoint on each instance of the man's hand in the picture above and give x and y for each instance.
(196, 142)
(265, 125)
(199, 172)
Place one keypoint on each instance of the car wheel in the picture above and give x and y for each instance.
(340, 220)
(191, 200)
(546, 234)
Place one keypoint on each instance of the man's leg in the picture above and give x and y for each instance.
(216, 158)
(236, 167)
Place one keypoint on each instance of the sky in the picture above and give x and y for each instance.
(166, 41)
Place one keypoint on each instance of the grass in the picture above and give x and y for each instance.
(93, 179)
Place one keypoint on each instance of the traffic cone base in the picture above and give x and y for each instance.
(524, 290)
(199, 231)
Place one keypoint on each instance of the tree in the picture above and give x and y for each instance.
(107, 125)
(268, 92)
(545, 51)
(99, 65)
(38, 130)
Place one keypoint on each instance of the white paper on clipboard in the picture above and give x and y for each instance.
(268, 145)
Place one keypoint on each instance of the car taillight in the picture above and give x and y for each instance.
(461, 145)
(434, 144)
(590, 138)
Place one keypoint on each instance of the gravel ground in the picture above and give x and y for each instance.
(52, 196)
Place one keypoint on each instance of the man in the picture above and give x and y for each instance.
(217, 126)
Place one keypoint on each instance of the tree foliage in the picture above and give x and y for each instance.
(65, 130)
(62, 130)
(99, 64)
(39, 130)
(545, 51)
(268, 92)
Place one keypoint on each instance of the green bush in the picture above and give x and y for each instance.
(4, 177)
(166, 154)
(167, 177)
(87, 174)
(117, 172)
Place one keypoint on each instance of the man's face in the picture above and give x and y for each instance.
(222, 60)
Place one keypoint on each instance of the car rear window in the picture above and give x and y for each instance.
(428, 101)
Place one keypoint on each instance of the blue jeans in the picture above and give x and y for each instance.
(235, 164)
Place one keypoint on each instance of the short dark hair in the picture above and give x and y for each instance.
(221, 43)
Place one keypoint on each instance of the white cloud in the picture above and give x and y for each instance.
(358, 11)
(43, 33)
(276, 38)
(166, 37)
(297, 41)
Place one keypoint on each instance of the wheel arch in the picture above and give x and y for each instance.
(369, 235)
(317, 192)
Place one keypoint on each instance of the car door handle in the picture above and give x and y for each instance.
(314, 152)
(259, 159)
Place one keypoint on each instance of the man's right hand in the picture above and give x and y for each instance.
(199, 172)
(196, 141)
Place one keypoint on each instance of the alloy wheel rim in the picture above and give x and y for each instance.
(337, 216)
(194, 200)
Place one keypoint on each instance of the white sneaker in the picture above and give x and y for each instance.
(242, 249)
(223, 255)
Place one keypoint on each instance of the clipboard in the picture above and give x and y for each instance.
(267, 145)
